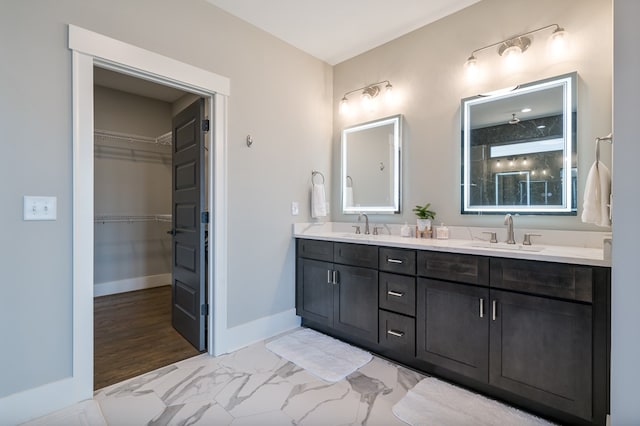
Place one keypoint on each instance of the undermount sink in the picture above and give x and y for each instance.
(505, 246)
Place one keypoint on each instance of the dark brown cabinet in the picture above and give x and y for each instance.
(452, 327)
(541, 349)
(336, 295)
(531, 332)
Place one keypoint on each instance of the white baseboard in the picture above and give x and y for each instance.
(131, 284)
(260, 329)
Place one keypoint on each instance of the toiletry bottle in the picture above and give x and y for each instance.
(405, 231)
(442, 233)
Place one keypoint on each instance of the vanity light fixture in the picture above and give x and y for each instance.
(368, 95)
(517, 45)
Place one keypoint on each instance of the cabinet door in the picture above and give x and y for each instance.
(314, 290)
(541, 349)
(355, 302)
(453, 328)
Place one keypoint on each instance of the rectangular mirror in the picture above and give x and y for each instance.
(370, 172)
(519, 149)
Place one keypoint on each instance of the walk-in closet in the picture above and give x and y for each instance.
(133, 332)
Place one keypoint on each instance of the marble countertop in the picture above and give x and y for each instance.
(587, 249)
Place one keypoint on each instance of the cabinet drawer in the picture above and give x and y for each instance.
(356, 255)
(397, 332)
(565, 281)
(397, 293)
(463, 268)
(315, 249)
(397, 260)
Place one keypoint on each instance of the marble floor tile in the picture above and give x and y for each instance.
(253, 386)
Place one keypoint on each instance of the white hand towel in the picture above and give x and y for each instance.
(348, 197)
(597, 195)
(318, 201)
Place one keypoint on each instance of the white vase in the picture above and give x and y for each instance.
(424, 224)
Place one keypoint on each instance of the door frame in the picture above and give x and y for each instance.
(91, 49)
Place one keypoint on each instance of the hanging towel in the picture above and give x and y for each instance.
(318, 201)
(597, 196)
(348, 197)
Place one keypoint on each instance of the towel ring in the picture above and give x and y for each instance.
(608, 138)
(313, 174)
(349, 182)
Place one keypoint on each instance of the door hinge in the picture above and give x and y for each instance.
(205, 125)
(204, 217)
(204, 309)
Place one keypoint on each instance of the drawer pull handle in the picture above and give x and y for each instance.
(494, 304)
(394, 293)
(335, 277)
(481, 308)
(395, 333)
(394, 261)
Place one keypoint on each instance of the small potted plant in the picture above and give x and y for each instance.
(425, 216)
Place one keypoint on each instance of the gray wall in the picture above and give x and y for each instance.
(280, 95)
(131, 182)
(625, 291)
(426, 70)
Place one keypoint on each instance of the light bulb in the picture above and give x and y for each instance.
(559, 41)
(388, 93)
(524, 162)
(367, 102)
(344, 105)
(498, 164)
(512, 55)
(471, 66)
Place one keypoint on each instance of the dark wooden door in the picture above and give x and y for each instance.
(541, 349)
(355, 302)
(453, 327)
(314, 290)
(189, 310)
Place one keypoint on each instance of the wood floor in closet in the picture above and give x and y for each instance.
(133, 335)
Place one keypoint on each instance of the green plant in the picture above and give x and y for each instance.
(423, 212)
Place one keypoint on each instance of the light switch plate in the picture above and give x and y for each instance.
(295, 209)
(40, 208)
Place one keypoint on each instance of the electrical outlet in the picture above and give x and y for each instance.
(295, 209)
(40, 208)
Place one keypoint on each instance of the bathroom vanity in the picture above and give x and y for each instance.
(531, 328)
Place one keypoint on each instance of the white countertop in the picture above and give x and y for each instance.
(587, 253)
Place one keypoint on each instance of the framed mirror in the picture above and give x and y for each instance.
(519, 149)
(370, 172)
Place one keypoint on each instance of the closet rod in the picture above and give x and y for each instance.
(132, 218)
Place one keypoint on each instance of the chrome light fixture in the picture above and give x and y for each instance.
(517, 45)
(368, 95)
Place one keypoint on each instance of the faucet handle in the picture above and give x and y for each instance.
(494, 237)
(527, 238)
(357, 228)
(375, 229)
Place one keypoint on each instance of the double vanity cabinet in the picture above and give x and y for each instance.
(529, 332)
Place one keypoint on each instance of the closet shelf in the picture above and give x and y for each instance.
(132, 218)
(105, 136)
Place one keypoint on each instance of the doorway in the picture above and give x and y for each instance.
(143, 290)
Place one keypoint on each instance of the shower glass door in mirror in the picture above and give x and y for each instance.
(370, 172)
(519, 149)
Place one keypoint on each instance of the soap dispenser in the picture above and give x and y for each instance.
(405, 231)
(442, 233)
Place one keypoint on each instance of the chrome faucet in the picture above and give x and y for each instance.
(366, 222)
(508, 220)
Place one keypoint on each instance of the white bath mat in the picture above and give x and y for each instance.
(323, 356)
(433, 402)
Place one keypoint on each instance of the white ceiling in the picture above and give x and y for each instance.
(336, 30)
